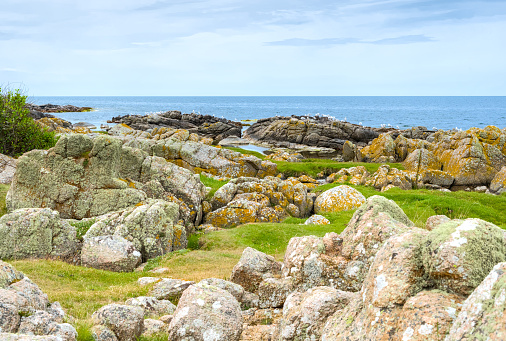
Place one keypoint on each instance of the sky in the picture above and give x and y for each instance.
(254, 47)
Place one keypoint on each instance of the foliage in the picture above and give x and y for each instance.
(3, 192)
(18, 130)
(82, 227)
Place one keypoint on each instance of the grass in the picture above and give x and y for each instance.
(313, 167)
(214, 184)
(82, 227)
(3, 192)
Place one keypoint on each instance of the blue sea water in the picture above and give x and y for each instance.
(403, 112)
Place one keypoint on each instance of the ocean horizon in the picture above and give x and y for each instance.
(433, 112)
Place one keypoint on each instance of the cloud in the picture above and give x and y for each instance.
(409, 39)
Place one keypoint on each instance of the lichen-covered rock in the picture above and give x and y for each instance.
(473, 156)
(454, 252)
(498, 183)
(253, 267)
(9, 318)
(20, 337)
(170, 288)
(126, 322)
(340, 198)
(428, 315)
(382, 149)
(484, 311)
(9, 275)
(272, 292)
(261, 324)
(206, 312)
(421, 159)
(151, 227)
(43, 323)
(113, 253)
(317, 219)
(387, 176)
(304, 314)
(234, 289)
(152, 327)
(284, 155)
(36, 233)
(7, 169)
(390, 283)
(82, 177)
(152, 306)
(102, 333)
(434, 221)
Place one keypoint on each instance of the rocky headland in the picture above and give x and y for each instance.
(115, 201)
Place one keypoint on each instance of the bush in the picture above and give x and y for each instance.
(18, 131)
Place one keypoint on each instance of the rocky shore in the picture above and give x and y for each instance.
(115, 201)
(41, 111)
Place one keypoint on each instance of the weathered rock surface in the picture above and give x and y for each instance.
(204, 125)
(453, 254)
(152, 307)
(113, 253)
(7, 169)
(36, 233)
(484, 311)
(340, 198)
(151, 227)
(25, 309)
(81, 177)
(206, 312)
(317, 219)
(305, 314)
(170, 288)
(498, 183)
(253, 267)
(310, 131)
(247, 200)
(234, 289)
(285, 155)
(125, 322)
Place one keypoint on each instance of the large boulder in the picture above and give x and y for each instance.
(152, 306)
(124, 322)
(36, 233)
(111, 253)
(206, 312)
(169, 288)
(151, 227)
(82, 177)
(253, 267)
(498, 183)
(459, 254)
(484, 311)
(340, 198)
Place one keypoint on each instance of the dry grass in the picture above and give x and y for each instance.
(3, 192)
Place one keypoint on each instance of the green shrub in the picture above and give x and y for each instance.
(18, 131)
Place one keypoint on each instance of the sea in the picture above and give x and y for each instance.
(402, 112)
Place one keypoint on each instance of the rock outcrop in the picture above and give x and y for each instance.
(82, 177)
(310, 131)
(118, 322)
(203, 125)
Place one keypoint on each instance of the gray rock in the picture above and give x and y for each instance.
(272, 292)
(170, 288)
(126, 322)
(9, 318)
(43, 323)
(111, 253)
(232, 141)
(235, 289)
(7, 169)
(102, 333)
(36, 233)
(253, 267)
(152, 306)
(152, 327)
(204, 313)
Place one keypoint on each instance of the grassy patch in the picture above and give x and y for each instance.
(3, 192)
(82, 227)
(313, 167)
(247, 152)
(421, 204)
(214, 184)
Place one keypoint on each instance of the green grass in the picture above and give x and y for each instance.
(247, 152)
(214, 184)
(421, 204)
(82, 227)
(313, 167)
(3, 192)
